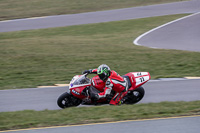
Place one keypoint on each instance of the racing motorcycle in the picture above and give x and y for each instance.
(81, 86)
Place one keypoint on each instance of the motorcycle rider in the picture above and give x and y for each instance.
(113, 81)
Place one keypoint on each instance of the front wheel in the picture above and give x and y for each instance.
(67, 100)
(134, 96)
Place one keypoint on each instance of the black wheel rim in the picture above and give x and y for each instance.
(137, 95)
(65, 102)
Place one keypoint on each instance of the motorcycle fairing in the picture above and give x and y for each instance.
(77, 91)
(138, 78)
(78, 84)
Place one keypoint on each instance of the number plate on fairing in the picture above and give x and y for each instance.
(141, 77)
(141, 80)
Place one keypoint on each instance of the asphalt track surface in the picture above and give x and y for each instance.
(156, 91)
(45, 98)
(181, 34)
(163, 125)
(100, 16)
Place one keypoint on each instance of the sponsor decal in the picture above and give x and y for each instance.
(138, 74)
(75, 92)
(78, 90)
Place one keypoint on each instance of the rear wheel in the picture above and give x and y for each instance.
(134, 96)
(67, 100)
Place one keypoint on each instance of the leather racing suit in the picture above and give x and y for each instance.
(116, 83)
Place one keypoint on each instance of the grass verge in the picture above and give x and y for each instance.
(83, 115)
(13, 9)
(48, 56)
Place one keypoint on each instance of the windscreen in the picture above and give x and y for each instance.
(80, 80)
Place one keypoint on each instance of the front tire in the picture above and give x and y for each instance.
(67, 100)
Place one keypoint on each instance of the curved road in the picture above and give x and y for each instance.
(181, 34)
(100, 16)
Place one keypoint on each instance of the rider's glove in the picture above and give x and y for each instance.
(87, 71)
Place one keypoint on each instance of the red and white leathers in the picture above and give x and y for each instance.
(116, 83)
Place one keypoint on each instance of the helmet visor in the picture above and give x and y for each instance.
(102, 76)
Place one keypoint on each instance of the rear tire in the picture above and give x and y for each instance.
(134, 96)
(67, 100)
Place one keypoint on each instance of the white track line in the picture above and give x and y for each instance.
(138, 38)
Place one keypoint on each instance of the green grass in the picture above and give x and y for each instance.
(83, 115)
(12, 9)
(49, 56)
